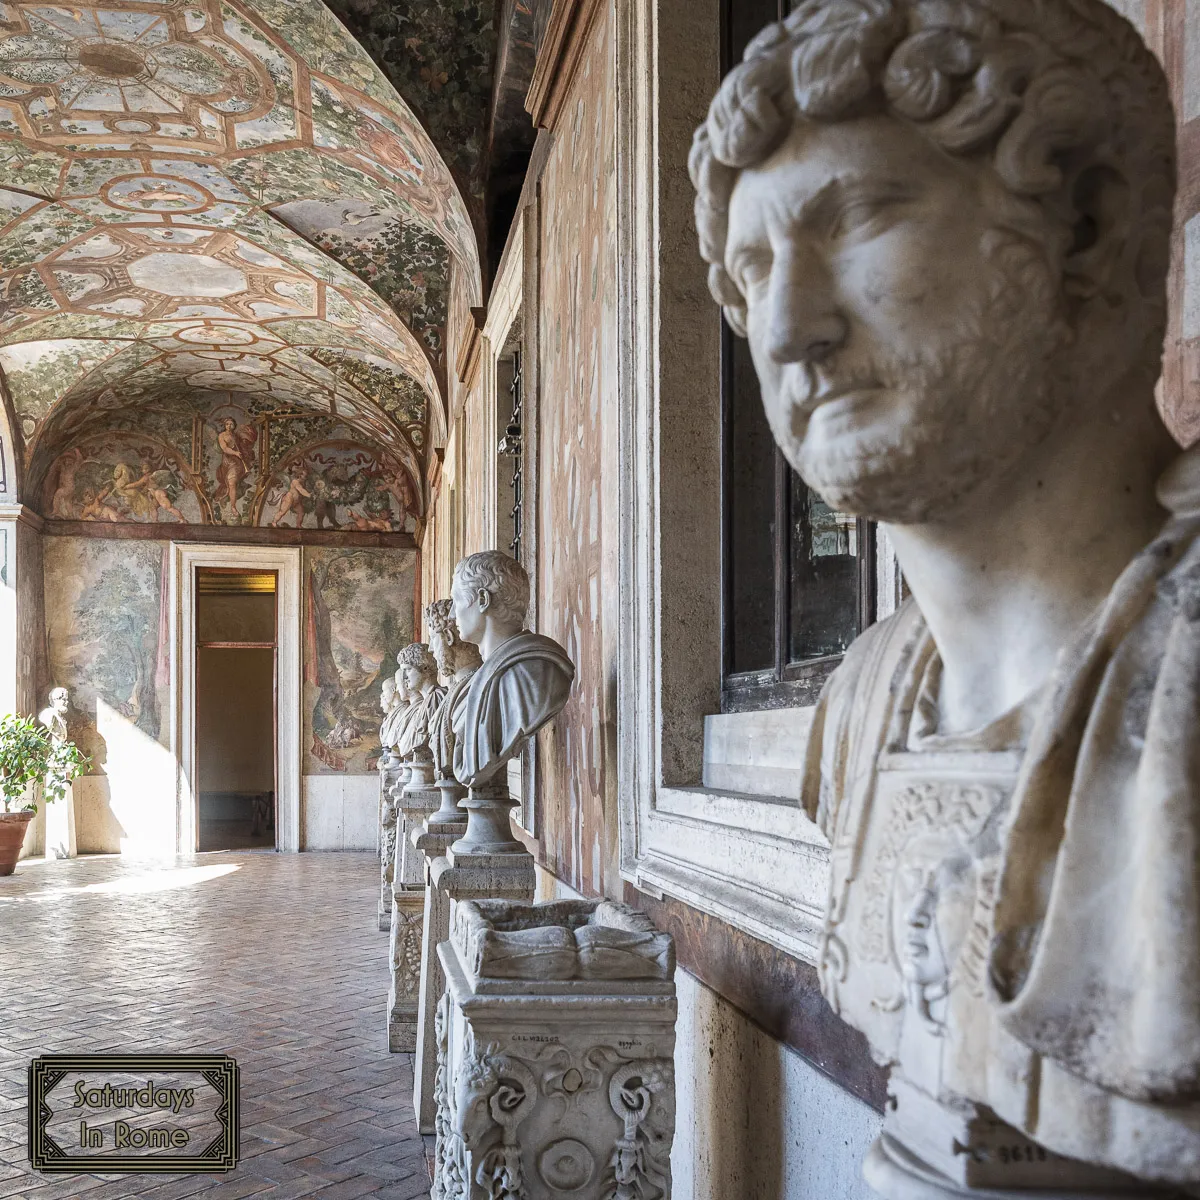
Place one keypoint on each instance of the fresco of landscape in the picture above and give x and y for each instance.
(216, 205)
(358, 611)
(106, 628)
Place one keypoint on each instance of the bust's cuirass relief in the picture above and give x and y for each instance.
(944, 230)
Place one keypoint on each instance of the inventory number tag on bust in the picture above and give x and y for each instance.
(125, 1113)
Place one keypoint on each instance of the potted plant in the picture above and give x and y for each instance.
(30, 759)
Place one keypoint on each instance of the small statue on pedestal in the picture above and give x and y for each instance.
(60, 814)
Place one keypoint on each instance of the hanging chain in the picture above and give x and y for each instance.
(510, 445)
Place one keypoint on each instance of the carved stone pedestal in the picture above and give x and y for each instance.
(432, 840)
(556, 1037)
(422, 770)
(408, 913)
(931, 1151)
(389, 781)
(60, 827)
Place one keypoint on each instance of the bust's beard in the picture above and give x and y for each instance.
(965, 412)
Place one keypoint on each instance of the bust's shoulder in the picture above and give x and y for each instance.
(873, 652)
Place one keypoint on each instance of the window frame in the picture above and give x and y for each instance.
(755, 862)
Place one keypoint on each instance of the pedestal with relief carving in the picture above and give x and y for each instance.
(556, 1037)
(389, 780)
(408, 911)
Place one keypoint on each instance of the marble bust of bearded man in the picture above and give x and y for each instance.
(457, 660)
(944, 229)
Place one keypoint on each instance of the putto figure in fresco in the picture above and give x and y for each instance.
(236, 444)
(944, 230)
(293, 499)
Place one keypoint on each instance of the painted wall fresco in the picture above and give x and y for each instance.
(238, 464)
(578, 583)
(167, 217)
(358, 611)
(106, 629)
(119, 477)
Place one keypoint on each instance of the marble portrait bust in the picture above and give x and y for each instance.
(389, 699)
(420, 672)
(389, 731)
(457, 661)
(944, 230)
(525, 678)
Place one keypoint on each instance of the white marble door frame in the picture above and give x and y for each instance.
(185, 558)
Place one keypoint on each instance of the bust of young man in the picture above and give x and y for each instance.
(457, 661)
(420, 673)
(944, 230)
(389, 731)
(525, 678)
(388, 699)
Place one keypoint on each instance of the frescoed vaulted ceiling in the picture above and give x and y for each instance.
(206, 203)
(439, 54)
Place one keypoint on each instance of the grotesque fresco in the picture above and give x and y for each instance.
(111, 478)
(358, 611)
(237, 465)
(106, 631)
(204, 198)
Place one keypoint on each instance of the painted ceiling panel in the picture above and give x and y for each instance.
(206, 201)
(440, 57)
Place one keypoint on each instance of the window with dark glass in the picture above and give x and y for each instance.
(799, 578)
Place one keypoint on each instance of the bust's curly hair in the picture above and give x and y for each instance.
(418, 654)
(439, 619)
(1047, 90)
(501, 576)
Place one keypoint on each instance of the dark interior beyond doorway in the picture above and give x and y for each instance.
(235, 709)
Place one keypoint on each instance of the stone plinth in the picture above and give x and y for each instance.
(556, 1037)
(432, 840)
(408, 912)
(388, 781)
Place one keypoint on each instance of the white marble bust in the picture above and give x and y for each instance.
(457, 661)
(525, 678)
(389, 731)
(944, 230)
(420, 672)
(389, 698)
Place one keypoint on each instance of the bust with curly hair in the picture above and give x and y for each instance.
(457, 660)
(420, 672)
(943, 227)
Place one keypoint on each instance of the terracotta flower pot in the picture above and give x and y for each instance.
(12, 834)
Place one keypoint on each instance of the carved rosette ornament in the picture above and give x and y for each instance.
(555, 1043)
(944, 229)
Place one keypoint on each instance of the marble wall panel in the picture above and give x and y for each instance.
(577, 568)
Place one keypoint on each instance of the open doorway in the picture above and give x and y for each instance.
(236, 708)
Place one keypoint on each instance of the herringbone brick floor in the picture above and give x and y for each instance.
(276, 959)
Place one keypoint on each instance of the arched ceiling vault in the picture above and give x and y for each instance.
(210, 203)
